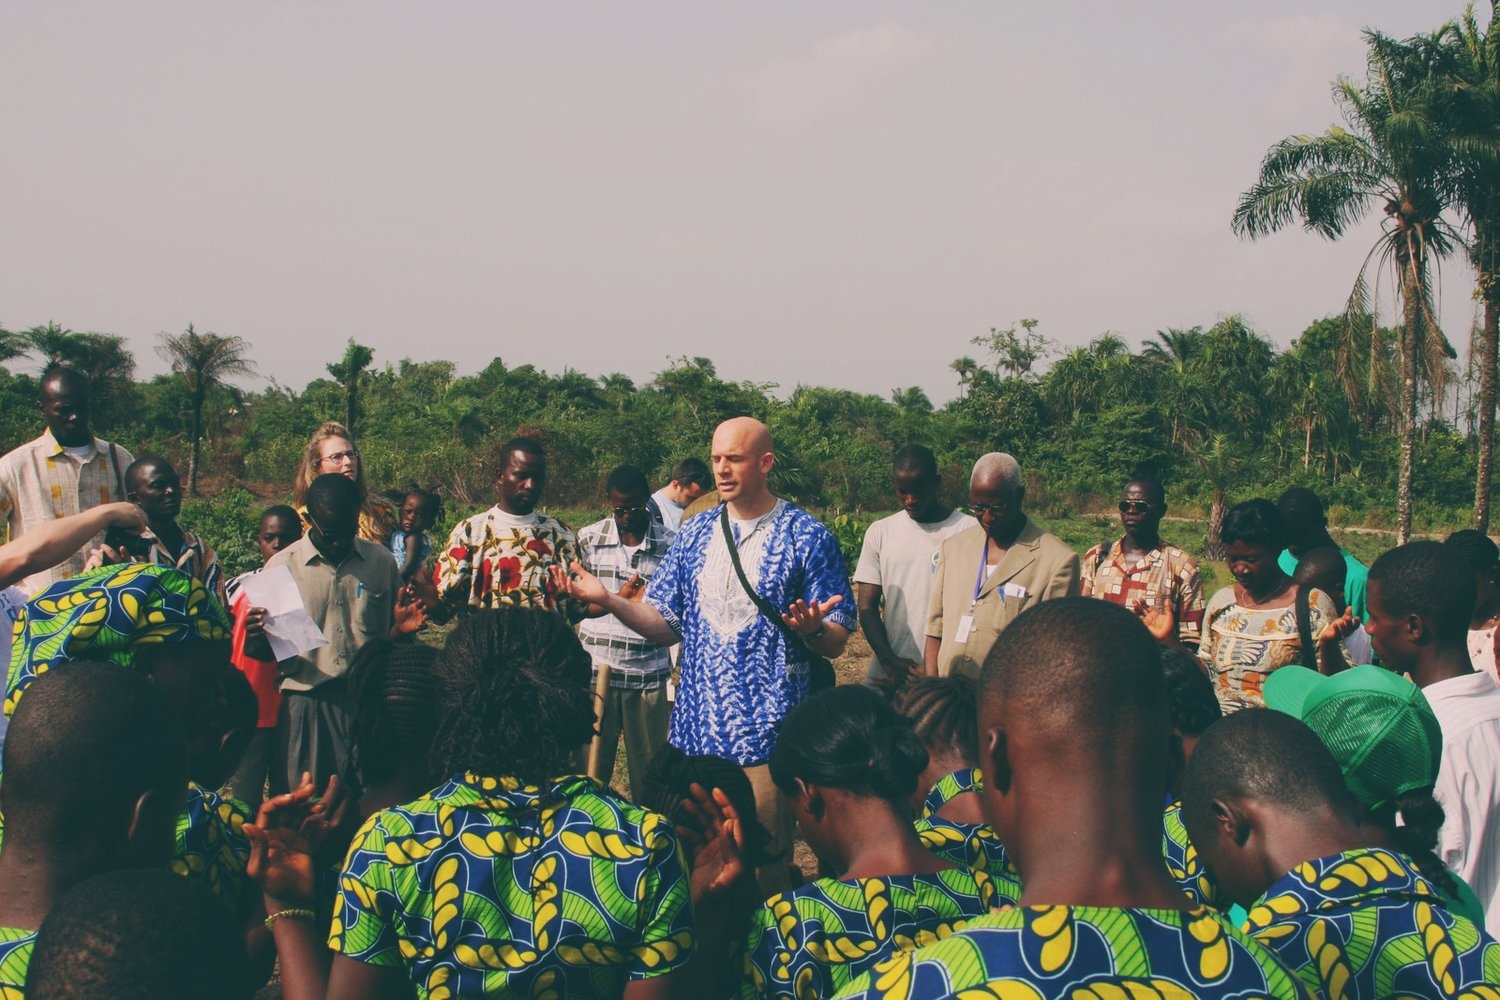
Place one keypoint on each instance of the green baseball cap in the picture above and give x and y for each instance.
(1376, 723)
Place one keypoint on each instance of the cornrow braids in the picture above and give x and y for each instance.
(944, 711)
(513, 696)
(393, 701)
(668, 781)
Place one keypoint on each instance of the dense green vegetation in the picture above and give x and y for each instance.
(1382, 421)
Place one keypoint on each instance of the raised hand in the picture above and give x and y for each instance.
(806, 617)
(715, 840)
(411, 612)
(1340, 628)
(1159, 621)
(579, 583)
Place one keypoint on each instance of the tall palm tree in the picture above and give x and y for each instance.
(1469, 96)
(1330, 182)
(204, 360)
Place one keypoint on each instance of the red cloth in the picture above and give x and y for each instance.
(260, 673)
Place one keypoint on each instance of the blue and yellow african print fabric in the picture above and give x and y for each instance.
(968, 845)
(1029, 953)
(1184, 865)
(814, 940)
(488, 887)
(15, 957)
(211, 844)
(1365, 924)
(106, 615)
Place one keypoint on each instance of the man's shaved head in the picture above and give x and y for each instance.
(742, 458)
(998, 471)
(748, 431)
(1081, 672)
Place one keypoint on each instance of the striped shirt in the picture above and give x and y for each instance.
(1468, 784)
(40, 482)
(634, 662)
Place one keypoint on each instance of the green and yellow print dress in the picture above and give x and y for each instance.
(487, 887)
(15, 957)
(814, 940)
(1036, 952)
(211, 845)
(1365, 924)
(968, 845)
(1184, 865)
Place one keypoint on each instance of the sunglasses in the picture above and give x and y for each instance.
(627, 511)
(1135, 507)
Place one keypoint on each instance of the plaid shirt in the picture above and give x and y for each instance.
(634, 662)
(1165, 577)
(40, 483)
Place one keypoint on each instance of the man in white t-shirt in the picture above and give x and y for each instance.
(895, 568)
(690, 480)
(65, 471)
(1419, 598)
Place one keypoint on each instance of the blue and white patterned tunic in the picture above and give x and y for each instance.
(740, 675)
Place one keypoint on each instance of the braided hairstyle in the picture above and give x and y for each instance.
(850, 738)
(1421, 818)
(513, 696)
(393, 701)
(944, 711)
(670, 776)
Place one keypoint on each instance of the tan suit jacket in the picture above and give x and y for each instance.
(1038, 567)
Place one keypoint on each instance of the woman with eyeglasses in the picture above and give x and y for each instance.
(1261, 622)
(331, 450)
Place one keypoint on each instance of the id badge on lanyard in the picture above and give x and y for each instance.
(966, 623)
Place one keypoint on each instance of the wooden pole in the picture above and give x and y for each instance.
(596, 765)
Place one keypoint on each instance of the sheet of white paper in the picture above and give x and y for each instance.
(273, 589)
(289, 628)
(292, 633)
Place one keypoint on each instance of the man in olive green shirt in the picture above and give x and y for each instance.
(352, 589)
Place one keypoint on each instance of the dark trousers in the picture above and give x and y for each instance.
(314, 733)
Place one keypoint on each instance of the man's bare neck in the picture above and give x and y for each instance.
(749, 508)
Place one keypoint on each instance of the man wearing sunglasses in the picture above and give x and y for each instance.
(352, 589)
(1144, 574)
(987, 575)
(623, 551)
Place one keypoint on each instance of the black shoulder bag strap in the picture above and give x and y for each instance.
(1304, 629)
(765, 607)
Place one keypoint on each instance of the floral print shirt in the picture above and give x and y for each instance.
(490, 562)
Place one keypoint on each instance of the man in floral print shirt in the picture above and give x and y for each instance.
(500, 558)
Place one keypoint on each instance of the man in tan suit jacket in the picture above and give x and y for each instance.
(986, 575)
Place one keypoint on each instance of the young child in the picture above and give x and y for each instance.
(950, 819)
(1266, 803)
(279, 527)
(1076, 757)
(410, 543)
(848, 763)
(131, 935)
(97, 731)
(511, 877)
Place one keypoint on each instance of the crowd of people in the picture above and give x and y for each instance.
(1061, 775)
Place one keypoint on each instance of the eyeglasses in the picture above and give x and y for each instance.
(338, 457)
(627, 511)
(994, 509)
(1135, 507)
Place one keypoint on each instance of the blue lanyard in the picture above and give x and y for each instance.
(979, 577)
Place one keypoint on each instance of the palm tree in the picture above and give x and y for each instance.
(204, 360)
(964, 368)
(12, 345)
(347, 371)
(1386, 158)
(1469, 96)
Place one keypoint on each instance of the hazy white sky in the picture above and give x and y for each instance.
(834, 193)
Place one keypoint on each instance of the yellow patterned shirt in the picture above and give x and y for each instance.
(815, 939)
(1036, 952)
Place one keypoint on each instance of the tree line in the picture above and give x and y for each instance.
(1382, 420)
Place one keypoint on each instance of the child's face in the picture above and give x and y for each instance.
(276, 533)
(416, 514)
